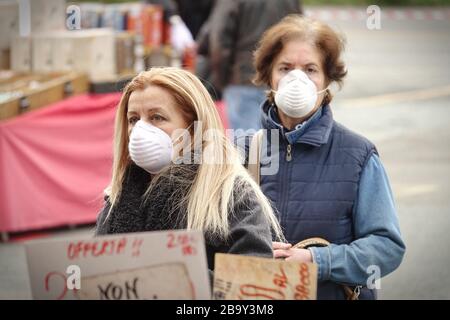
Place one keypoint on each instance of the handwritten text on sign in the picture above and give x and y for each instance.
(151, 265)
(242, 277)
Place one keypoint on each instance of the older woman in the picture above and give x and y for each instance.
(330, 183)
(156, 187)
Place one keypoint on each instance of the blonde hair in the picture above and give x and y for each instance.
(211, 198)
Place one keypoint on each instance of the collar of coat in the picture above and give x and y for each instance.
(159, 209)
(315, 131)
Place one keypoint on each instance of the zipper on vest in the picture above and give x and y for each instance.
(289, 153)
(285, 186)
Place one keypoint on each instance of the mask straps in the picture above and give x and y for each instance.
(323, 90)
(182, 134)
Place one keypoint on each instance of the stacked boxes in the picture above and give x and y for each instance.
(47, 15)
(94, 53)
(9, 26)
(115, 40)
(21, 54)
(90, 51)
(44, 16)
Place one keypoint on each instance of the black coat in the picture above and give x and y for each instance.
(249, 230)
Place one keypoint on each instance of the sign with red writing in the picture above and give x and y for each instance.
(250, 278)
(149, 265)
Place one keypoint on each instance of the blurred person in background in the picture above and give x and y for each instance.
(195, 13)
(186, 17)
(203, 62)
(152, 190)
(331, 183)
(235, 27)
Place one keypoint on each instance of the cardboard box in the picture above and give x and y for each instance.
(95, 53)
(90, 51)
(52, 51)
(62, 54)
(47, 15)
(9, 22)
(42, 54)
(21, 54)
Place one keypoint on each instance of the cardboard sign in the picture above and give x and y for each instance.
(150, 265)
(251, 278)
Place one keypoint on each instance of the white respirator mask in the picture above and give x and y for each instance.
(297, 94)
(150, 147)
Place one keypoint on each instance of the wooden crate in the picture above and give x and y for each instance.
(36, 91)
(15, 81)
(116, 84)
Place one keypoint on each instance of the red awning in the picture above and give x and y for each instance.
(56, 161)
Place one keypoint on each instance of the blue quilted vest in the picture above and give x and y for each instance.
(316, 186)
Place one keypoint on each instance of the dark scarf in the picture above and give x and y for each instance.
(159, 210)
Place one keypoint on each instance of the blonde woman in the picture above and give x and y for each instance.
(150, 191)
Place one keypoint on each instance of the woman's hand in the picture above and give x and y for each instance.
(291, 254)
(281, 245)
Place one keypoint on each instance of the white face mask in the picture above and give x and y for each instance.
(150, 147)
(297, 94)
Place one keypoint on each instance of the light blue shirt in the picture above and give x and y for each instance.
(378, 241)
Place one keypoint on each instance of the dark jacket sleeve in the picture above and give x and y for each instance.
(222, 28)
(250, 232)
